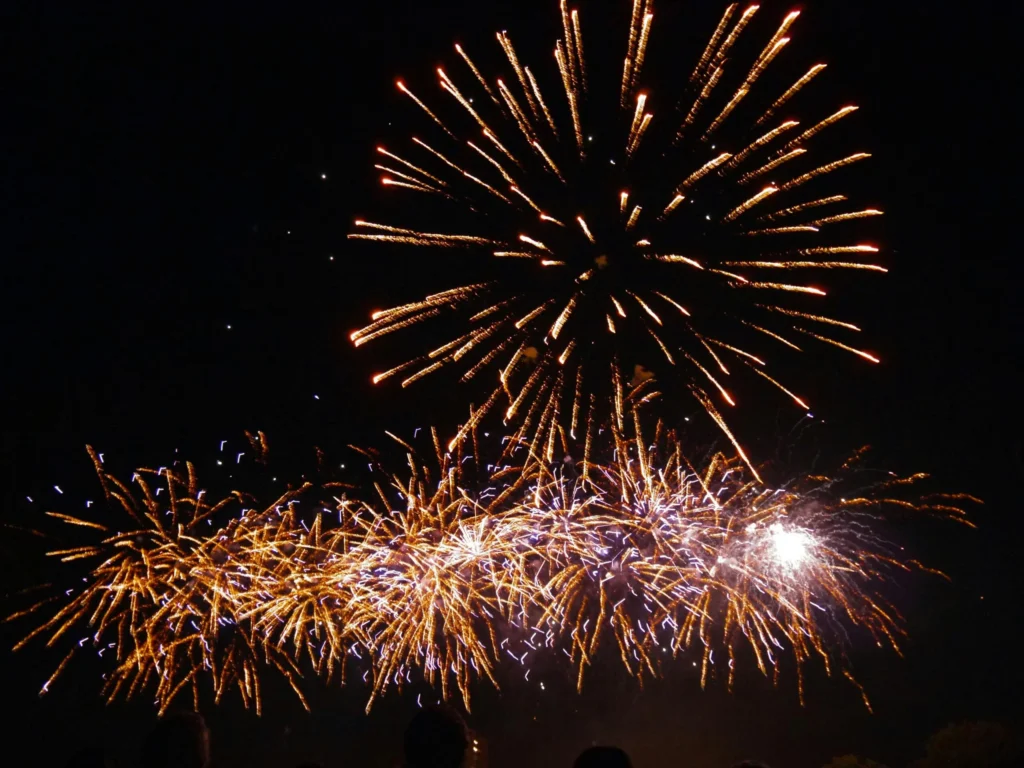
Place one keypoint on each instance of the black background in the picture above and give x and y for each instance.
(163, 181)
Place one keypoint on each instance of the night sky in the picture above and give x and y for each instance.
(175, 271)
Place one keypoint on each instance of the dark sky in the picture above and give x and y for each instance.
(162, 172)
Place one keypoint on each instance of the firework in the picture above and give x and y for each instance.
(161, 597)
(455, 570)
(653, 246)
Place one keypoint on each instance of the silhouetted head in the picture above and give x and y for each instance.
(178, 741)
(603, 757)
(90, 758)
(436, 738)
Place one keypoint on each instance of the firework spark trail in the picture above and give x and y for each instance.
(782, 230)
(701, 172)
(755, 145)
(774, 47)
(803, 207)
(807, 265)
(822, 170)
(712, 45)
(642, 556)
(476, 73)
(492, 192)
(627, 67)
(771, 166)
(791, 92)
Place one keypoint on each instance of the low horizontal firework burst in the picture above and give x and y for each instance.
(677, 244)
(447, 575)
(158, 599)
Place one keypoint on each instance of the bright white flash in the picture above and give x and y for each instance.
(792, 547)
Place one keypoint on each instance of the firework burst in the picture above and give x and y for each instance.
(676, 241)
(161, 595)
(446, 576)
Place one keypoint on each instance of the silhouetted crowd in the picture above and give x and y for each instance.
(436, 738)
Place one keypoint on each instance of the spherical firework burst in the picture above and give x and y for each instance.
(443, 578)
(677, 243)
